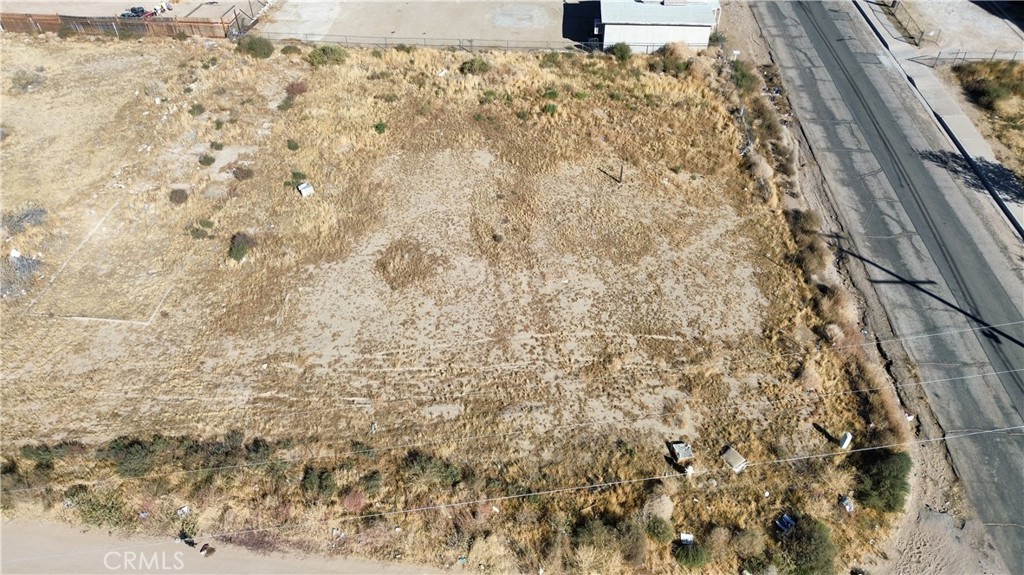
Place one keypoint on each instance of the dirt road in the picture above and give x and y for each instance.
(34, 547)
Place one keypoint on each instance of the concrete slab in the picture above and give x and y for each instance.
(522, 24)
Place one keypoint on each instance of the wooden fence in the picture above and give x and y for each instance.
(113, 26)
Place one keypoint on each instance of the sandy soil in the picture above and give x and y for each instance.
(37, 547)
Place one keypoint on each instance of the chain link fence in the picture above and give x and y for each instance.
(958, 56)
(463, 44)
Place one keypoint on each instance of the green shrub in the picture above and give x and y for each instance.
(197, 109)
(180, 35)
(206, 160)
(255, 46)
(405, 48)
(218, 124)
(204, 223)
(716, 37)
(988, 83)
(65, 32)
(217, 146)
(432, 468)
(242, 173)
(293, 145)
(659, 530)
(882, 482)
(103, 509)
(551, 94)
(549, 109)
(257, 450)
(371, 482)
(488, 96)
(617, 96)
(580, 95)
(318, 484)
(809, 546)
(327, 55)
(622, 51)
(131, 456)
(550, 60)
(691, 556)
(286, 104)
(240, 245)
(377, 53)
(380, 127)
(743, 76)
(291, 49)
(475, 66)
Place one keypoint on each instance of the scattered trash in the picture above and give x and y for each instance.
(767, 494)
(462, 560)
(305, 189)
(846, 503)
(680, 451)
(845, 441)
(733, 459)
(785, 524)
(910, 417)
(442, 73)
(688, 471)
(184, 511)
(687, 538)
(207, 550)
(68, 504)
(143, 515)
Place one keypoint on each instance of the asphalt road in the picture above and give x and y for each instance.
(927, 245)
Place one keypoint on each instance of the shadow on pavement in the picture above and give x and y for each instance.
(1011, 11)
(578, 20)
(1006, 183)
(996, 335)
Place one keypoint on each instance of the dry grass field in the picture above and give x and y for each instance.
(472, 304)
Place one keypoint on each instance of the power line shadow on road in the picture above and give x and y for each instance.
(997, 336)
(1006, 183)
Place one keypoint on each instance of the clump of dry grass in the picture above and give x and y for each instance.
(406, 262)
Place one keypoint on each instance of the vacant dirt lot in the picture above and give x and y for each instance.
(537, 275)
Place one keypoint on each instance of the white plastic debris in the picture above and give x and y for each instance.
(184, 511)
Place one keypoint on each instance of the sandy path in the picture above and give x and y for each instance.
(37, 547)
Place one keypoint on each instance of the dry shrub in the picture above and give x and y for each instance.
(354, 501)
(888, 422)
(749, 543)
(719, 540)
(809, 378)
(814, 256)
(603, 560)
(837, 306)
(406, 262)
(296, 88)
(492, 555)
(660, 506)
(759, 166)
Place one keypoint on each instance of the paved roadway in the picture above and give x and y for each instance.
(935, 254)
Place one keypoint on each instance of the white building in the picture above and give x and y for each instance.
(648, 25)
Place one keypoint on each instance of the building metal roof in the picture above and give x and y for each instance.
(689, 13)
